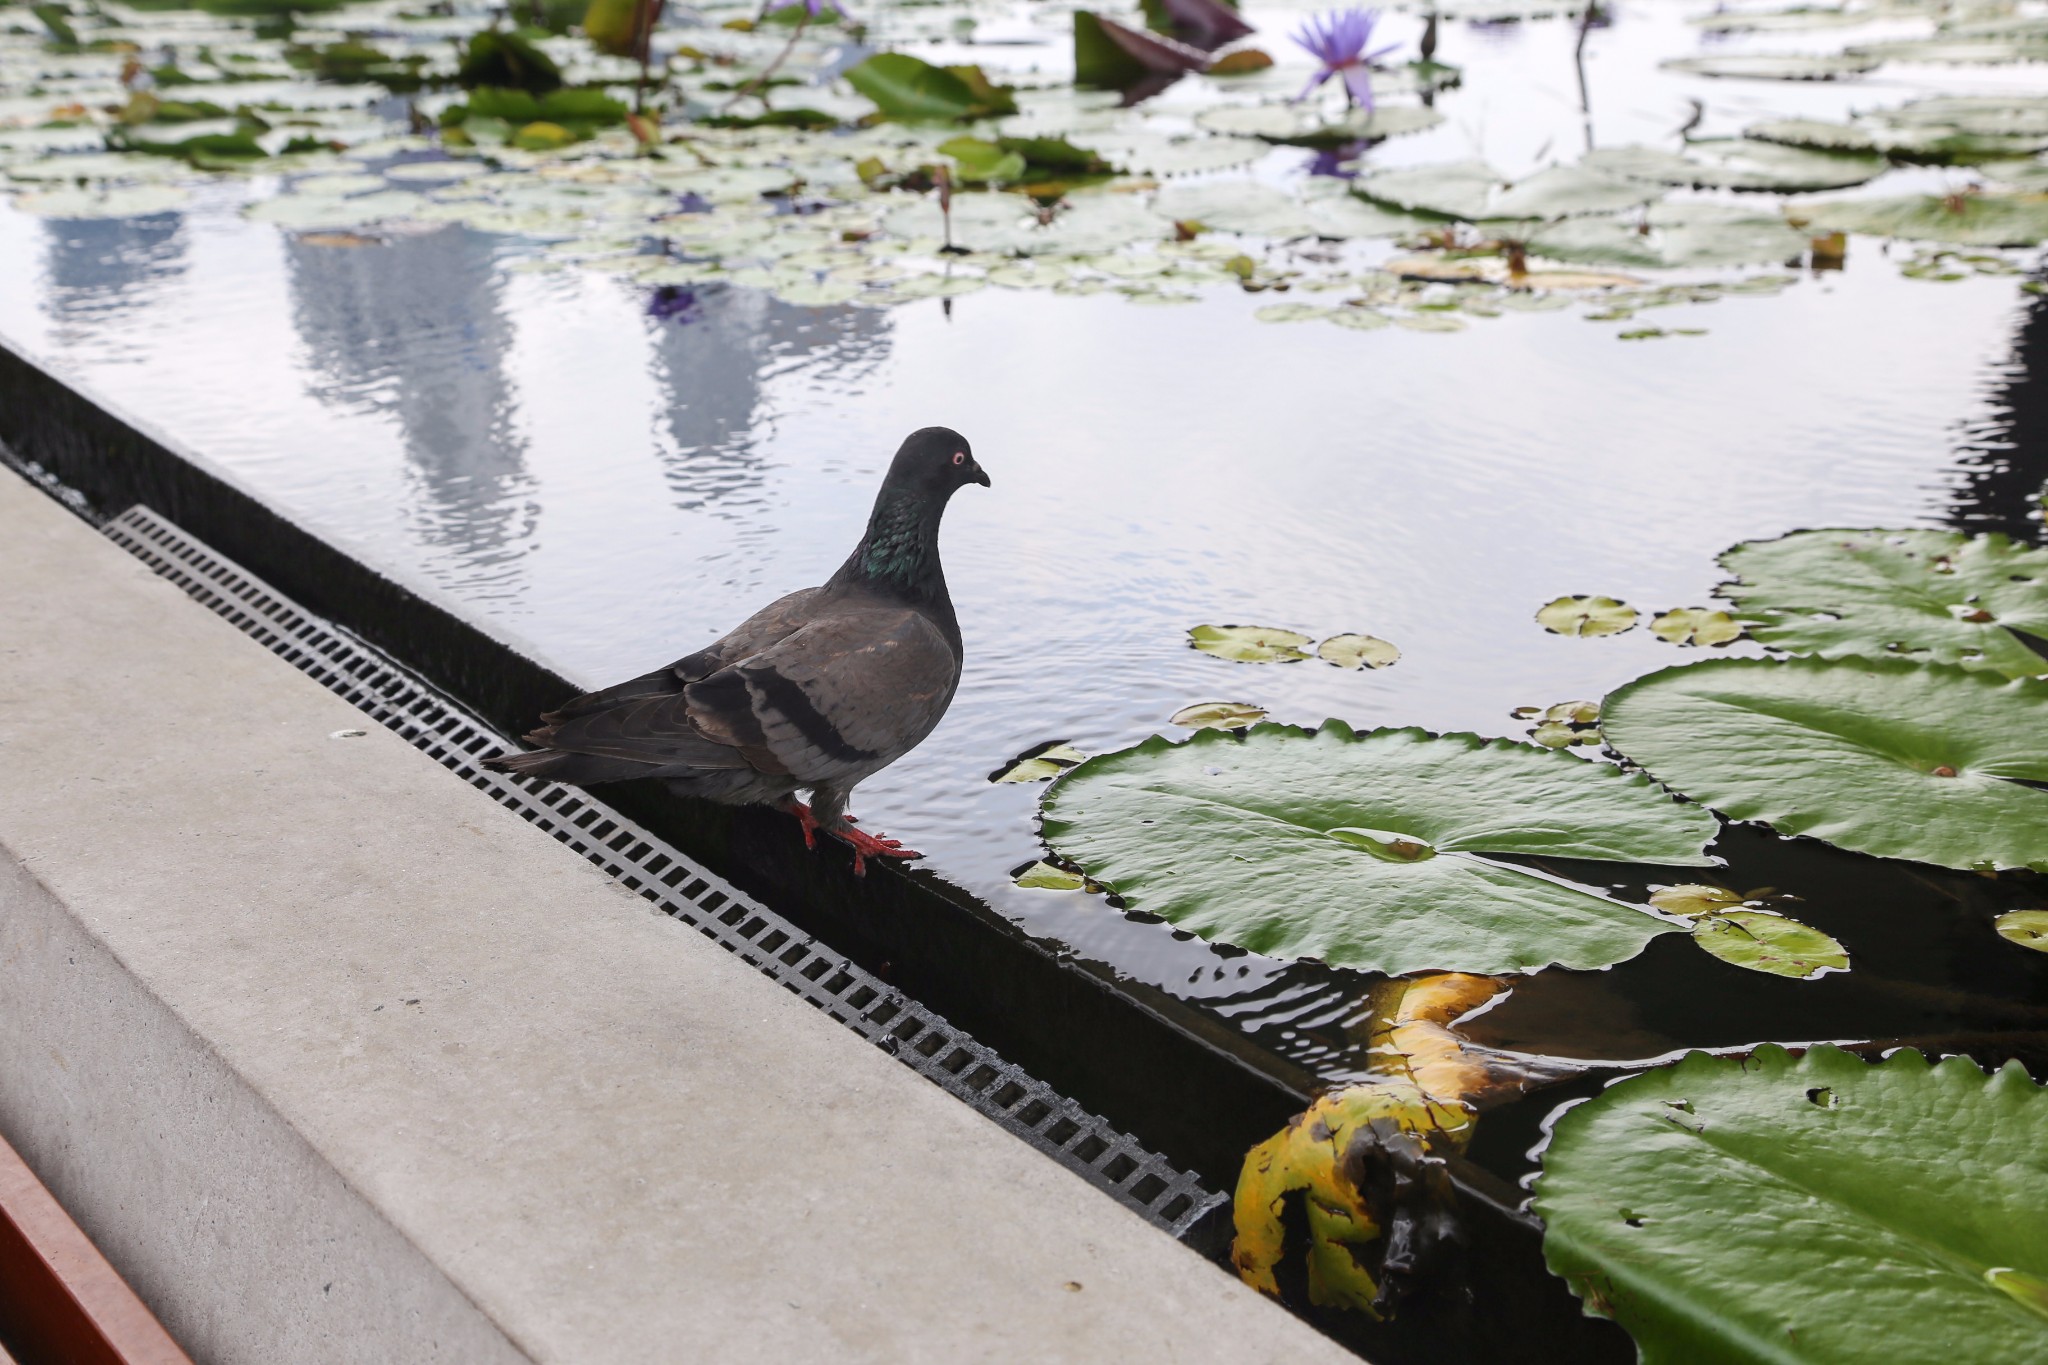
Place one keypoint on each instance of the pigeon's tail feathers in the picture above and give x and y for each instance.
(558, 765)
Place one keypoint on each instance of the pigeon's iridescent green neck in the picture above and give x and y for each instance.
(901, 547)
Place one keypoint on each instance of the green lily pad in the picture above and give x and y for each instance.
(1696, 626)
(1456, 189)
(1964, 219)
(1764, 941)
(1045, 876)
(1303, 125)
(902, 87)
(1879, 756)
(1218, 715)
(1692, 235)
(1797, 18)
(1736, 163)
(1251, 644)
(1040, 764)
(1692, 898)
(1804, 1208)
(1376, 851)
(1358, 651)
(1587, 616)
(1776, 66)
(978, 161)
(1921, 141)
(1236, 206)
(2028, 928)
(1962, 51)
(1938, 595)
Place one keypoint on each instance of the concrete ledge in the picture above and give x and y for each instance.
(337, 1060)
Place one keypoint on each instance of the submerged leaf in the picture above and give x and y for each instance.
(1218, 715)
(1250, 644)
(2028, 928)
(1412, 1036)
(1734, 1209)
(1586, 616)
(1692, 898)
(1358, 651)
(1328, 1153)
(1939, 595)
(1040, 764)
(1879, 756)
(1695, 626)
(1378, 851)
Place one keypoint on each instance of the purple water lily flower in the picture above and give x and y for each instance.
(1338, 40)
(814, 8)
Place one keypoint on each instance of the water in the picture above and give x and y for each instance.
(612, 490)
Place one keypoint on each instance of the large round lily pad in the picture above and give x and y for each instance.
(1938, 595)
(1815, 1208)
(1737, 163)
(1375, 851)
(1964, 219)
(1881, 756)
(1689, 235)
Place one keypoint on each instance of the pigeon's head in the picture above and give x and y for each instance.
(934, 461)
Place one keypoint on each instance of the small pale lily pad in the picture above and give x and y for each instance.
(1965, 219)
(1045, 876)
(1251, 644)
(1764, 941)
(1695, 626)
(1693, 898)
(1358, 651)
(1776, 66)
(2028, 928)
(1586, 616)
(1218, 715)
(1041, 764)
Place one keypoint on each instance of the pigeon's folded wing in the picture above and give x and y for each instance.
(758, 632)
(846, 695)
(834, 700)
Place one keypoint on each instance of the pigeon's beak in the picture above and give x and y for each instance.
(979, 475)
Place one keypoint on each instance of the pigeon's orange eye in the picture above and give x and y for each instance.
(959, 457)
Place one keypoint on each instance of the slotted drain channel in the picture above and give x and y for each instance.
(1142, 1180)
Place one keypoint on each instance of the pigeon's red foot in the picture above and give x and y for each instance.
(806, 819)
(866, 846)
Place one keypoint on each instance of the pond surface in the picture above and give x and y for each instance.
(613, 489)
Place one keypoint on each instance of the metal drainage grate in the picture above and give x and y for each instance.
(1143, 1181)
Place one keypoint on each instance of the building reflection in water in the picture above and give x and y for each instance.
(2001, 472)
(98, 269)
(715, 349)
(416, 328)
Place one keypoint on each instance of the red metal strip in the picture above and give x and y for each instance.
(60, 1302)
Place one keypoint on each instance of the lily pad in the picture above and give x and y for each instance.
(1378, 851)
(1726, 1208)
(1218, 715)
(1765, 941)
(1358, 651)
(1777, 66)
(1040, 764)
(1586, 616)
(1251, 644)
(1938, 595)
(1964, 219)
(1045, 876)
(1879, 756)
(1691, 235)
(1696, 626)
(2028, 928)
(1736, 163)
(1456, 189)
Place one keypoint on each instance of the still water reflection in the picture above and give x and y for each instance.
(615, 488)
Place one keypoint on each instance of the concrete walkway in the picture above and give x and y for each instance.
(337, 1060)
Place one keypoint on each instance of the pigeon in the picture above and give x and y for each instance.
(814, 693)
